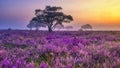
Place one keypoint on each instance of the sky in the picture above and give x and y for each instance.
(101, 14)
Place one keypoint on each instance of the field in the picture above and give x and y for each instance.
(59, 49)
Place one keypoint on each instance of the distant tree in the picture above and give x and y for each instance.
(31, 24)
(58, 27)
(51, 16)
(86, 27)
(9, 29)
(35, 24)
(80, 30)
(68, 27)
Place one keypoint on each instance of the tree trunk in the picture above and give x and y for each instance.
(50, 28)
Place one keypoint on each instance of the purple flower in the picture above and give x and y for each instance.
(43, 65)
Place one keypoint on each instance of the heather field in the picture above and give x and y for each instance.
(59, 49)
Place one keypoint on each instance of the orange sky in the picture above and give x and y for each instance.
(96, 12)
(103, 11)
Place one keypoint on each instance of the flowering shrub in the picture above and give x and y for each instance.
(40, 49)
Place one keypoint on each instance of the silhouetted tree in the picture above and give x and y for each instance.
(69, 27)
(86, 27)
(9, 29)
(50, 17)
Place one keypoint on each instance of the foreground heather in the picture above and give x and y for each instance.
(40, 49)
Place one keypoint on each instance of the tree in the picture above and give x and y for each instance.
(86, 27)
(69, 27)
(50, 17)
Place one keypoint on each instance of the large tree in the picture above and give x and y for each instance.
(50, 17)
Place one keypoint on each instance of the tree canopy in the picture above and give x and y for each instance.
(50, 17)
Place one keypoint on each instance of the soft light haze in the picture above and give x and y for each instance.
(101, 14)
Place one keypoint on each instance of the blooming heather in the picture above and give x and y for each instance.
(65, 49)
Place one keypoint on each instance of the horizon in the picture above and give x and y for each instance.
(102, 15)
